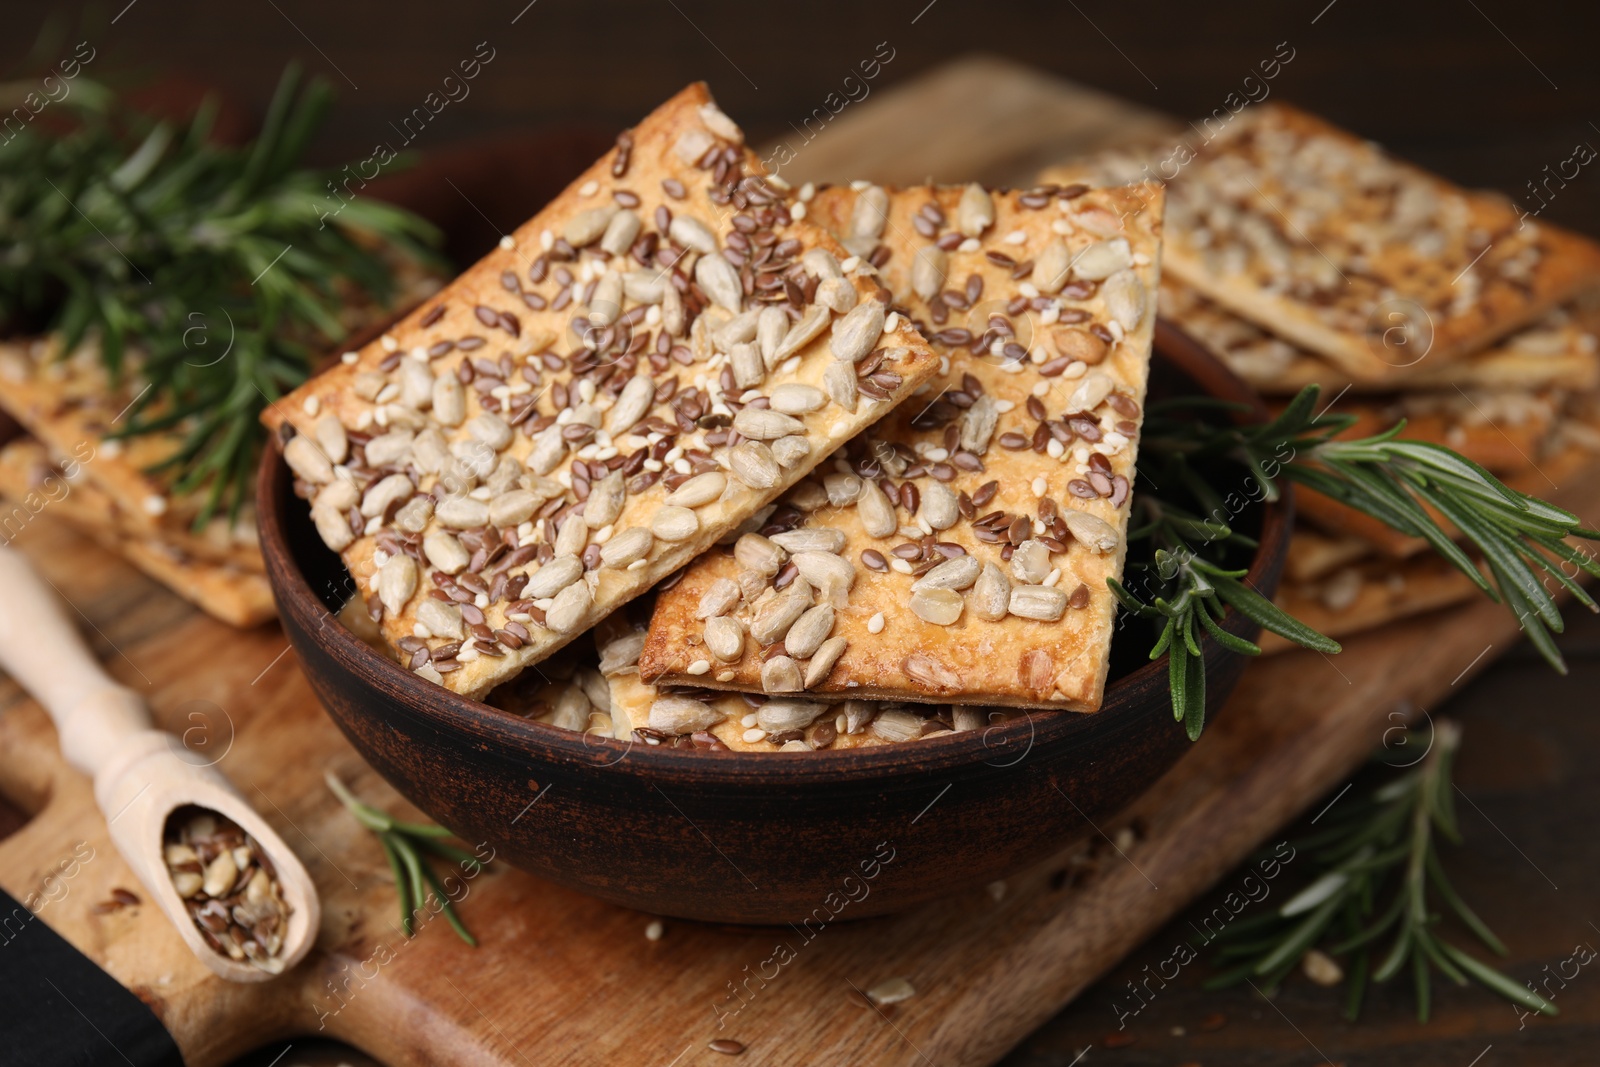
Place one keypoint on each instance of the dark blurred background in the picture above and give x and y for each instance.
(1488, 92)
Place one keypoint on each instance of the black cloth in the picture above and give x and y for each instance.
(58, 1009)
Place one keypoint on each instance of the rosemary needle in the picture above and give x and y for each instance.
(402, 843)
(1194, 562)
(1380, 845)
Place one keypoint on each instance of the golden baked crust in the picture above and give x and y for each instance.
(1556, 351)
(69, 404)
(1016, 462)
(1326, 241)
(572, 380)
(31, 482)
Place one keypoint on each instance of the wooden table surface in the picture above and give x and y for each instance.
(1532, 802)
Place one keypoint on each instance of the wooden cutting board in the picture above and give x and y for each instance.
(562, 979)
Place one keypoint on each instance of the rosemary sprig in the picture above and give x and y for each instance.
(214, 261)
(414, 880)
(1380, 880)
(1414, 487)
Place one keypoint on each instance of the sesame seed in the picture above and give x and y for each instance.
(798, 211)
(313, 404)
(900, 565)
(751, 736)
(850, 264)
(876, 624)
(155, 504)
(389, 343)
(1016, 237)
(699, 666)
(654, 930)
(507, 242)
(589, 188)
(971, 244)
(1040, 486)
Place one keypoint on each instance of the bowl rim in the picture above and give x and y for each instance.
(997, 746)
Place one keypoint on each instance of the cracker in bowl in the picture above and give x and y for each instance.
(958, 552)
(594, 403)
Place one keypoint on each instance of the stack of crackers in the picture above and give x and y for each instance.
(68, 461)
(1299, 253)
(869, 451)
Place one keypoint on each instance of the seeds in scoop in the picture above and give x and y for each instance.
(235, 903)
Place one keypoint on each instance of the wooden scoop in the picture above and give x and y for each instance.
(141, 774)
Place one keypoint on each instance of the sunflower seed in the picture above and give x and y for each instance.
(691, 233)
(1051, 268)
(415, 514)
(748, 366)
(939, 506)
(1030, 562)
(724, 636)
(991, 594)
(837, 295)
(220, 875)
(635, 399)
(444, 552)
(605, 501)
(1094, 532)
(305, 458)
(781, 716)
(831, 575)
(461, 512)
(811, 539)
(895, 725)
(674, 523)
(958, 573)
(966, 717)
(812, 322)
(644, 286)
(822, 661)
(449, 400)
(621, 232)
(857, 333)
(842, 489)
(570, 610)
(512, 508)
(682, 715)
(764, 424)
(1045, 603)
(332, 526)
(441, 619)
(673, 320)
(840, 381)
(572, 537)
(975, 212)
(775, 617)
(720, 281)
(1090, 393)
(1103, 259)
(876, 513)
(928, 271)
(870, 213)
(629, 546)
(586, 226)
(757, 553)
(809, 631)
(698, 490)
(622, 653)
(386, 493)
(892, 991)
(780, 674)
(942, 607)
(718, 600)
(821, 264)
(605, 305)
(571, 710)
(330, 435)
(795, 398)
(549, 449)
(397, 581)
(1125, 299)
(753, 464)
(553, 577)
(791, 451)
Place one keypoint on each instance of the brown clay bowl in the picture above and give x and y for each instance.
(742, 838)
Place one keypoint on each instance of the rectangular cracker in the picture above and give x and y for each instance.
(1374, 264)
(1556, 351)
(748, 722)
(570, 311)
(1369, 594)
(961, 452)
(31, 483)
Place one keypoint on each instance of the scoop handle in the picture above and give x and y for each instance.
(44, 652)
